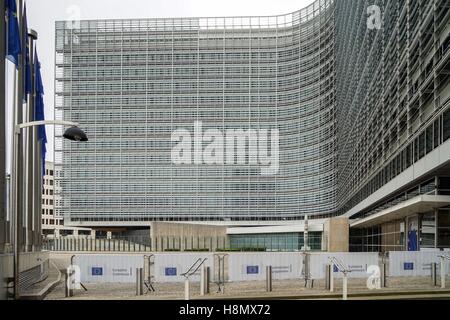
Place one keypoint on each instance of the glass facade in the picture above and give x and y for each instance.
(392, 91)
(132, 83)
(276, 242)
(355, 107)
(443, 230)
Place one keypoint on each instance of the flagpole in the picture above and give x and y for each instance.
(14, 181)
(33, 195)
(3, 124)
(18, 164)
(28, 185)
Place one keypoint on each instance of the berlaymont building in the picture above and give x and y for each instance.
(357, 93)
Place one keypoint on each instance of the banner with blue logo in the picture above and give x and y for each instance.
(170, 272)
(97, 271)
(108, 268)
(252, 269)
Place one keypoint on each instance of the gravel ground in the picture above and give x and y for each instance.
(172, 291)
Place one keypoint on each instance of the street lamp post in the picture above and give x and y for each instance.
(74, 134)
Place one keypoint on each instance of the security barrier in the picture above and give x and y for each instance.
(108, 268)
(357, 264)
(171, 266)
(252, 266)
(414, 264)
(241, 267)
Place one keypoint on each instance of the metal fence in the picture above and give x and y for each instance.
(138, 244)
(163, 244)
(68, 244)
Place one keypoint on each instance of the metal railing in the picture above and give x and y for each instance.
(345, 270)
(67, 244)
(191, 271)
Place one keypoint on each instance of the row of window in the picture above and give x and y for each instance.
(431, 138)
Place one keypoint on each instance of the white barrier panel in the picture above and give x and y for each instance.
(356, 262)
(170, 267)
(252, 266)
(414, 264)
(108, 268)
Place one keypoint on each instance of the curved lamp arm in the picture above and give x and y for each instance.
(46, 122)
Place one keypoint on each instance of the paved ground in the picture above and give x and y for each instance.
(240, 290)
(40, 289)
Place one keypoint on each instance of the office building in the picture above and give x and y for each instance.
(361, 102)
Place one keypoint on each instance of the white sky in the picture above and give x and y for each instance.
(42, 15)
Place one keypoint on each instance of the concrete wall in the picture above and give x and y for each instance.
(337, 235)
(186, 235)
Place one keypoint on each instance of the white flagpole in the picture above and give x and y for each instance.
(18, 163)
(3, 122)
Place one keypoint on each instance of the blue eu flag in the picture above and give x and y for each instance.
(13, 47)
(27, 85)
(40, 109)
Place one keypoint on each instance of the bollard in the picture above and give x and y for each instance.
(269, 279)
(344, 287)
(68, 286)
(383, 275)
(442, 273)
(332, 278)
(203, 280)
(327, 277)
(186, 290)
(139, 282)
(208, 279)
(434, 274)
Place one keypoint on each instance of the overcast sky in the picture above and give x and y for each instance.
(42, 15)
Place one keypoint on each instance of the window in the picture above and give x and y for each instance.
(444, 228)
(429, 140)
(422, 145)
(446, 126)
(428, 231)
(437, 131)
(416, 150)
(408, 155)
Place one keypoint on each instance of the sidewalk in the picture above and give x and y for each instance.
(293, 289)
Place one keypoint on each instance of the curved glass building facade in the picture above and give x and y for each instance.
(131, 83)
(352, 105)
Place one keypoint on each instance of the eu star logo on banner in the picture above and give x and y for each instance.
(252, 270)
(170, 272)
(97, 271)
(408, 266)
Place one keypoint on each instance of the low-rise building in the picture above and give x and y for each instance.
(52, 222)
